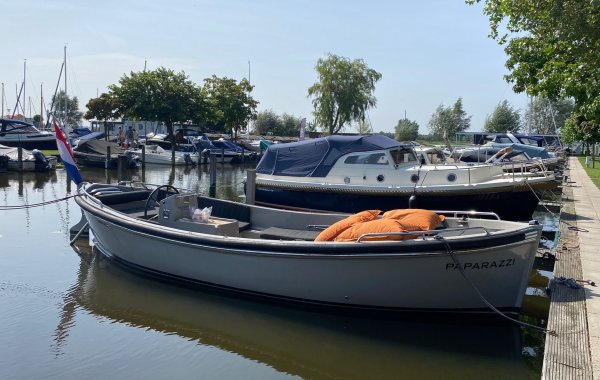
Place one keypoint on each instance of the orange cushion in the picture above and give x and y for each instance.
(415, 219)
(373, 226)
(335, 229)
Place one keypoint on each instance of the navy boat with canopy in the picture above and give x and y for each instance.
(355, 173)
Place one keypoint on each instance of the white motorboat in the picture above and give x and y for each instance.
(16, 133)
(154, 154)
(31, 161)
(511, 161)
(271, 253)
(353, 173)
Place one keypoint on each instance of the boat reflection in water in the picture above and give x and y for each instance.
(294, 341)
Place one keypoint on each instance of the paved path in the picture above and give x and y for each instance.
(586, 198)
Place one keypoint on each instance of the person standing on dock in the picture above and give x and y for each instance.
(120, 136)
(129, 137)
(136, 137)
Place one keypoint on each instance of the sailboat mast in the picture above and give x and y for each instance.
(41, 106)
(2, 111)
(24, 98)
(66, 102)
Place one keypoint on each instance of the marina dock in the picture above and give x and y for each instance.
(574, 351)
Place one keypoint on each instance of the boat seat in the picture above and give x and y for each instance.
(123, 197)
(243, 226)
(276, 233)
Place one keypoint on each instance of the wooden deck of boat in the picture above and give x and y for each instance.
(574, 352)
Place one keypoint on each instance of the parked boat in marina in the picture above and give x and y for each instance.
(94, 152)
(17, 133)
(31, 161)
(154, 154)
(271, 253)
(353, 173)
(510, 160)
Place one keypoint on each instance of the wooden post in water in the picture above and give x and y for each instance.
(250, 186)
(144, 163)
(243, 156)
(20, 158)
(213, 174)
(222, 155)
(120, 164)
(107, 162)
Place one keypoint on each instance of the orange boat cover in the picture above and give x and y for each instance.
(335, 229)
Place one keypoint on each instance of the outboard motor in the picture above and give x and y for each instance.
(188, 159)
(41, 162)
(131, 159)
(205, 154)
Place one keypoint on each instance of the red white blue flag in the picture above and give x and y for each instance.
(66, 155)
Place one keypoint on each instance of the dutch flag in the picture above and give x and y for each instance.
(66, 155)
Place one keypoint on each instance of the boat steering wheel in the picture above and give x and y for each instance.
(155, 199)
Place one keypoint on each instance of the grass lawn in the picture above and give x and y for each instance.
(594, 173)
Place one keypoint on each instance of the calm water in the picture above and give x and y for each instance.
(73, 315)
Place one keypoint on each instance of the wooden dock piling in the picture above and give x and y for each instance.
(250, 186)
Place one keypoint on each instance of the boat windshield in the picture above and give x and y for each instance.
(367, 159)
(435, 157)
(18, 127)
(403, 156)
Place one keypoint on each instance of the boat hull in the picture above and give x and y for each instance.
(42, 142)
(410, 276)
(509, 205)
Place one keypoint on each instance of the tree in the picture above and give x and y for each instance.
(231, 102)
(364, 128)
(406, 130)
(504, 119)
(548, 117)
(343, 93)
(161, 95)
(60, 102)
(552, 49)
(290, 126)
(267, 121)
(105, 107)
(447, 121)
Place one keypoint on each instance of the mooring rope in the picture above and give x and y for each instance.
(571, 227)
(474, 287)
(21, 207)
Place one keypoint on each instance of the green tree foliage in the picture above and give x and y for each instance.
(103, 108)
(553, 50)
(504, 119)
(548, 117)
(290, 125)
(343, 93)
(447, 121)
(161, 95)
(268, 122)
(231, 103)
(60, 101)
(406, 130)
(363, 127)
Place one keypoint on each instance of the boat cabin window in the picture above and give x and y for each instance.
(17, 127)
(403, 155)
(436, 157)
(367, 159)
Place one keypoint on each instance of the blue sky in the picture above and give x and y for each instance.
(428, 52)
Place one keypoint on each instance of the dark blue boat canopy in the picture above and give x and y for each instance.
(316, 157)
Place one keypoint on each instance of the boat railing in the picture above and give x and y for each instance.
(456, 214)
(89, 196)
(422, 234)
